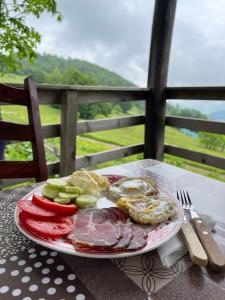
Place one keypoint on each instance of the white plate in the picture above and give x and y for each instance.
(158, 235)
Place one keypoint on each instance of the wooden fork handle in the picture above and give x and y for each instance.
(197, 253)
(215, 255)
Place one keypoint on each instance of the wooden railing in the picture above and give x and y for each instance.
(69, 98)
(196, 93)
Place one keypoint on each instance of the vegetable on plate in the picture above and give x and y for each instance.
(58, 208)
(57, 183)
(86, 200)
(56, 228)
(35, 211)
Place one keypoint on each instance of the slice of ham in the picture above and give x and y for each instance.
(127, 236)
(139, 240)
(107, 230)
(96, 227)
(119, 214)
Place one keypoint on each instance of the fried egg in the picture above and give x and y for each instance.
(132, 187)
(144, 209)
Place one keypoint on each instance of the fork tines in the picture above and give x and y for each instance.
(184, 197)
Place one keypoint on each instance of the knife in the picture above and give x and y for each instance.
(214, 253)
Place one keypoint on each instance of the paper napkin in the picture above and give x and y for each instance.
(175, 248)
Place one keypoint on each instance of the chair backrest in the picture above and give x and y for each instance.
(18, 132)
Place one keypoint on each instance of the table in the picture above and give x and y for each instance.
(29, 271)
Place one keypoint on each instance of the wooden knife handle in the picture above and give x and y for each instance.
(215, 255)
(197, 253)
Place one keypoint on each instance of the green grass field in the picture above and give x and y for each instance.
(16, 113)
(11, 78)
(105, 140)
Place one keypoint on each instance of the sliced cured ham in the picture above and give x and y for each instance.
(107, 230)
(96, 227)
(139, 240)
(127, 236)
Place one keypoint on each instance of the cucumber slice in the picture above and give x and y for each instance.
(50, 192)
(62, 200)
(68, 195)
(74, 189)
(57, 183)
(86, 200)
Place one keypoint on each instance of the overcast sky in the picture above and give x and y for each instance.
(116, 35)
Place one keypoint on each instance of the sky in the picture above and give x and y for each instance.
(116, 35)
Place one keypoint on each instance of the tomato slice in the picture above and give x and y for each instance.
(35, 211)
(56, 228)
(62, 209)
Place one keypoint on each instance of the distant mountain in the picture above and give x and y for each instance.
(217, 115)
(215, 110)
(206, 107)
(48, 68)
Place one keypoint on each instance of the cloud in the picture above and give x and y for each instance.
(198, 47)
(116, 35)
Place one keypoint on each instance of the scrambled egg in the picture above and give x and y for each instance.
(91, 182)
(148, 209)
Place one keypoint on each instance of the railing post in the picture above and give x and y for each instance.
(162, 29)
(69, 109)
(2, 143)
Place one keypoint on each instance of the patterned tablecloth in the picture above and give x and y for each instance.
(29, 271)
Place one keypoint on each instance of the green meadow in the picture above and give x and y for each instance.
(105, 140)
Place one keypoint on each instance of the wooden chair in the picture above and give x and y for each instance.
(17, 132)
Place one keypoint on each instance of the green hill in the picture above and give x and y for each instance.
(53, 69)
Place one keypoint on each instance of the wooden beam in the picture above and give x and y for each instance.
(51, 94)
(93, 159)
(199, 157)
(35, 122)
(196, 93)
(50, 131)
(10, 95)
(111, 95)
(106, 124)
(162, 29)
(17, 169)
(53, 130)
(81, 88)
(196, 124)
(53, 168)
(68, 132)
(16, 132)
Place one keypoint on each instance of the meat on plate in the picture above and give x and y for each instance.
(107, 230)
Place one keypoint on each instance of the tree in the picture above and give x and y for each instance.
(126, 105)
(17, 40)
(176, 110)
(73, 76)
(88, 111)
(54, 77)
(38, 75)
(211, 140)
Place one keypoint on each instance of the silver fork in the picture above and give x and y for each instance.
(215, 256)
(197, 253)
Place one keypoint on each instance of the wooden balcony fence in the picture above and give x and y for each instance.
(155, 96)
